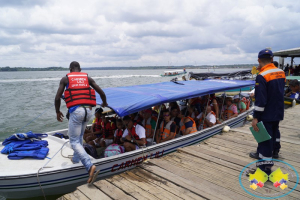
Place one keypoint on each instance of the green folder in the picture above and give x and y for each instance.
(262, 135)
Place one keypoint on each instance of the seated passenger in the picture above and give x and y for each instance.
(149, 124)
(294, 86)
(95, 131)
(212, 101)
(187, 124)
(196, 102)
(134, 136)
(173, 104)
(192, 112)
(241, 106)
(119, 132)
(107, 129)
(136, 118)
(174, 117)
(210, 119)
(167, 130)
(229, 109)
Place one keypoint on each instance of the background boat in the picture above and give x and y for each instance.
(173, 73)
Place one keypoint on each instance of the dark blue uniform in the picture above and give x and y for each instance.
(269, 108)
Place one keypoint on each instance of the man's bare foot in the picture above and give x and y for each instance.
(91, 173)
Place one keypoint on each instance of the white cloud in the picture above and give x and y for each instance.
(37, 33)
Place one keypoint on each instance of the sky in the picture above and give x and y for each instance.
(97, 33)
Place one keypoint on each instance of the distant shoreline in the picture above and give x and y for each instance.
(12, 69)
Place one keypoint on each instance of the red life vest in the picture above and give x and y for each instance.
(133, 133)
(119, 134)
(97, 126)
(204, 124)
(79, 91)
(108, 129)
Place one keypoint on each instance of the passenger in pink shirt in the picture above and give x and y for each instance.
(229, 110)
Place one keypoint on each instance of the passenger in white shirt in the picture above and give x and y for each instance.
(135, 137)
(210, 119)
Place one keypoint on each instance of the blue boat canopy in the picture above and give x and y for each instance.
(131, 99)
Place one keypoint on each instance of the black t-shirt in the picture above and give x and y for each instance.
(177, 121)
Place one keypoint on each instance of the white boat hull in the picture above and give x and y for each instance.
(66, 177)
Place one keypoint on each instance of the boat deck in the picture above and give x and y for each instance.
(209, 170)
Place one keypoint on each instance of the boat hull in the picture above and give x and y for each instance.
(66, 179)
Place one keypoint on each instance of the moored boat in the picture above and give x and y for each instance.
(173, 73)
(57, 174)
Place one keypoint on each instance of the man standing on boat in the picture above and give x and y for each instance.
(80, 99)
(269, 107)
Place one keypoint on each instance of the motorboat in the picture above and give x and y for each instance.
(56, 174)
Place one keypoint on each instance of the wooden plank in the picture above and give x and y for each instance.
(130, 188)
(166, 185)
(112, 191)
(199, 189)
(220, 177)
(209, 158)
(148, 186)
(236, 158)
(211, 187)
(285, 153)
(76, 195)
(92, 192)
(226, 178)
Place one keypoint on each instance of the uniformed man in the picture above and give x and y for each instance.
(269, 107)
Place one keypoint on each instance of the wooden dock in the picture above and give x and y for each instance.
(209, 170)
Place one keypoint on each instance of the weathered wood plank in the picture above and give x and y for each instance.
(148, 186)
(199, 189)
(76, 195)
(226, 178)
(92, 192)
(112, 191)
(166, 185)
(211, 187)
(130, 188)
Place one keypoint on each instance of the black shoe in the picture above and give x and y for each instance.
(254, 155)
(275, 154)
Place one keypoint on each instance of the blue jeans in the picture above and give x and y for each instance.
(76, 131)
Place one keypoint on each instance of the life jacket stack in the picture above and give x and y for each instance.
(79, 91)
(26, 145)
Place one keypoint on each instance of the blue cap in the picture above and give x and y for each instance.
(265, 53)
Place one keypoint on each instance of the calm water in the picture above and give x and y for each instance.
(25, 95)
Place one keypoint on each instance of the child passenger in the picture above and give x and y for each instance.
(119, 132)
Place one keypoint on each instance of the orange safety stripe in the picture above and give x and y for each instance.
(270, 72)
(194, 128)
(148, 127)
(165, 132)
